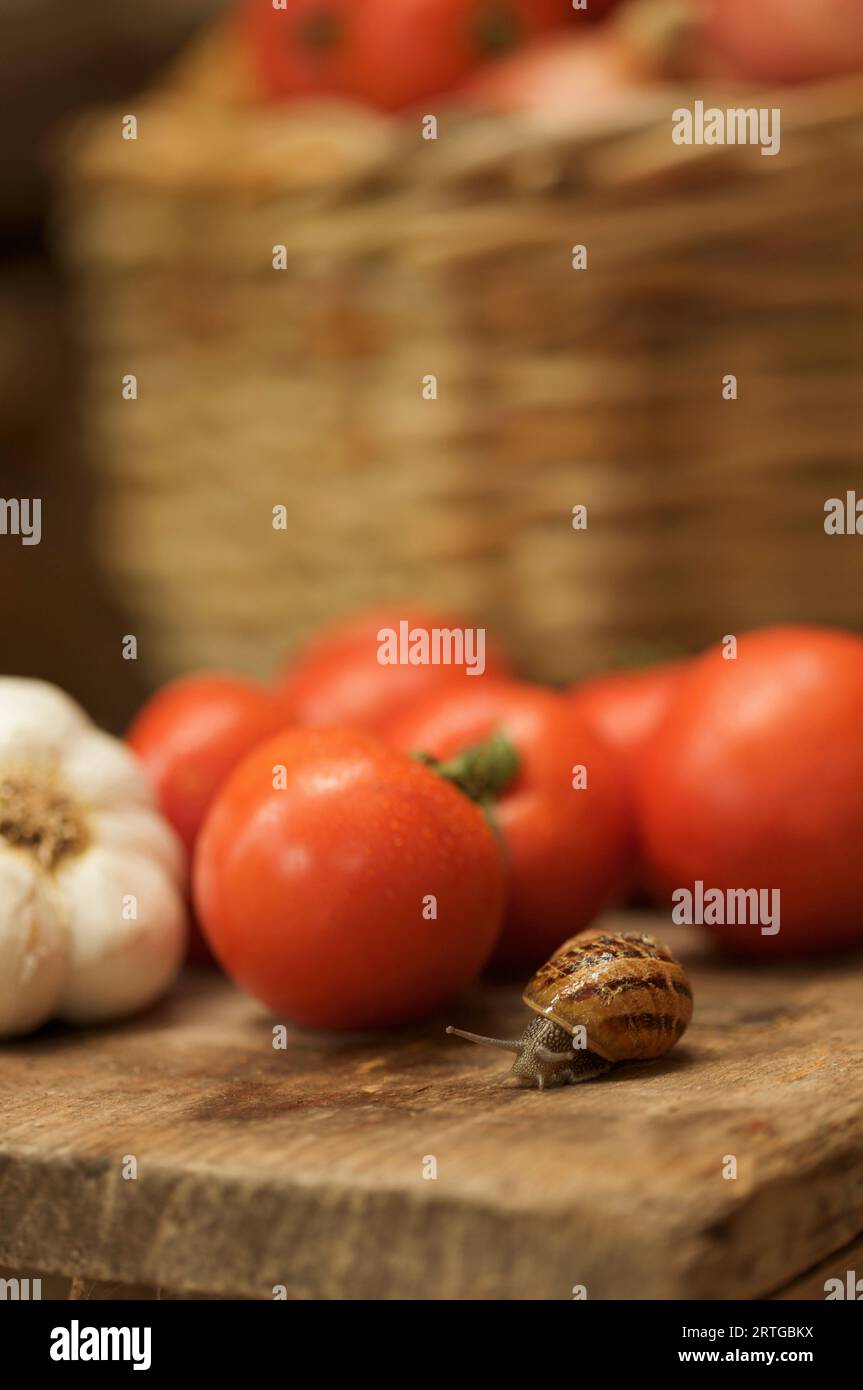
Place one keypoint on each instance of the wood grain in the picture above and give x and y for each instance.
(848, 1260)
(304, 1167)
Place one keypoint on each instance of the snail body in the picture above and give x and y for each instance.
(600, 999)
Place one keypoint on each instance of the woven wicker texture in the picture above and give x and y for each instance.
(557, 387)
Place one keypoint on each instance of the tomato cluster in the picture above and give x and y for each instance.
(534, 55)
(393, 54)
(367, 837)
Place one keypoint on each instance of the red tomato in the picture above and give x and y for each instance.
(390, 54)
(567, 849)
(754, 779)
(787, 40)
(315, 895)
(305, 49)
(626, 707)
(190, 735)
(339, 680)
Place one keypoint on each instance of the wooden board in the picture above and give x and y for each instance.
(305, 1167)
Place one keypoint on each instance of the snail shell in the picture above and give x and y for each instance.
(628, 992)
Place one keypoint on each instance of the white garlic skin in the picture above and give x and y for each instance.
(100, 933)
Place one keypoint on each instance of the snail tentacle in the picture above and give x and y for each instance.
(508, 1044)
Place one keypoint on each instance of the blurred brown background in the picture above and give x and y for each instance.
(303, 388)
(58, 618)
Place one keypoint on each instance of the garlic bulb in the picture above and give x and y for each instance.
(92, 915)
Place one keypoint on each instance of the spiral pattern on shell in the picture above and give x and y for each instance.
(628, 992)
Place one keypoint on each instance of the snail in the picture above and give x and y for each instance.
(599, 1000)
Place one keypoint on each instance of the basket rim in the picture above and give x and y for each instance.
(193, 145)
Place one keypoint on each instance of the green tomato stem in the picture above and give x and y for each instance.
(482, 772)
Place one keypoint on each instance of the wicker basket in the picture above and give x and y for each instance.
(556, 387)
